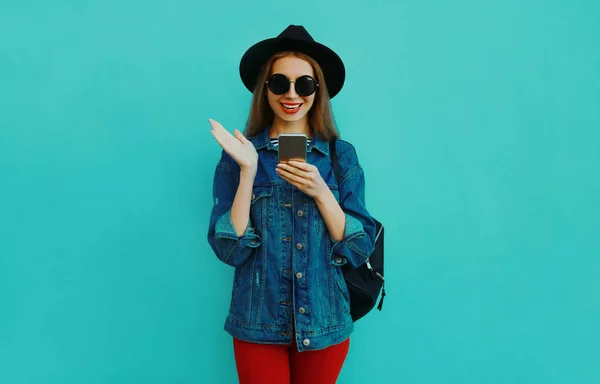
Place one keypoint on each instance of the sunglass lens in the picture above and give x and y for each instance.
(306, 85)
(279, 84)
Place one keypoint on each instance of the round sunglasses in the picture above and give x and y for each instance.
(280, 84)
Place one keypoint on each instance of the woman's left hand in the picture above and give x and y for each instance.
(304, 176)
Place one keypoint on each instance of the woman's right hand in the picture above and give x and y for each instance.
(238, 147)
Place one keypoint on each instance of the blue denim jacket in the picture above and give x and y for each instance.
(287, 281)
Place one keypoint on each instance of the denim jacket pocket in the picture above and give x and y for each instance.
(319, 223)
(341, 283)
(261, 207)
(239, 291)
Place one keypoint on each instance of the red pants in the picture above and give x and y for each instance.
(283, 364)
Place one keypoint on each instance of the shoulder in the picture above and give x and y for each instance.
(346, 153)
(348, 163)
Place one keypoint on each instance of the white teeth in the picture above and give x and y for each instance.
(287, 106)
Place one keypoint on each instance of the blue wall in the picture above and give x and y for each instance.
(477, 124)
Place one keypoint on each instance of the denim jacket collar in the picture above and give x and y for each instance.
(261, 141)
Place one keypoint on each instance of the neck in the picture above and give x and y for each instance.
(281, 126)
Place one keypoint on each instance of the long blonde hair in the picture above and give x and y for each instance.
(320, 116)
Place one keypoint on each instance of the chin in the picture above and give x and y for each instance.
(291, 118)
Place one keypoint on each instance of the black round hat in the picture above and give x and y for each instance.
(293, 38)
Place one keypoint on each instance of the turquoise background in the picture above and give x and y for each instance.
(477, 124)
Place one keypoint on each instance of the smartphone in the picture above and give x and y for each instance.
(292, 146)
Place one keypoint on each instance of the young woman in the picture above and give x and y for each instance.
(288, 228)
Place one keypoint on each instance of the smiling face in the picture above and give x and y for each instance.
(314, 116)
(291, 107)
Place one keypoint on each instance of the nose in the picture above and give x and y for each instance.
(291, 93)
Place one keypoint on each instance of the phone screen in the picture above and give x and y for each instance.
(292, 146)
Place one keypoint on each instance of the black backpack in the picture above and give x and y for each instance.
(365, 282)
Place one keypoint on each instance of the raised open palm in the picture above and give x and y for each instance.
(236, 145)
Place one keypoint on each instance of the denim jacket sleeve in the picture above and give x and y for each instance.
(359, 233)
(230, 248)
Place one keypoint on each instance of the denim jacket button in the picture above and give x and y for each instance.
(306, 342)
(253, 196)
(300, 213)
(299, 246)
(299, 275)
(339, 260)
(302, 310)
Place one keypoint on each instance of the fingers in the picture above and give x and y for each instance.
(296, 175)
(302, 165)
(308, 175)
(216, 126)
(240, 136)
(219, 129)
(289, 170)
(225, 139)
(291, 178)
(223, 136)
(219, 132)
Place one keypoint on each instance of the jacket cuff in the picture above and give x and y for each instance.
(354, 248)
(224, 229)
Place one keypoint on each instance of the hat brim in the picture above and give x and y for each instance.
(257, 55)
